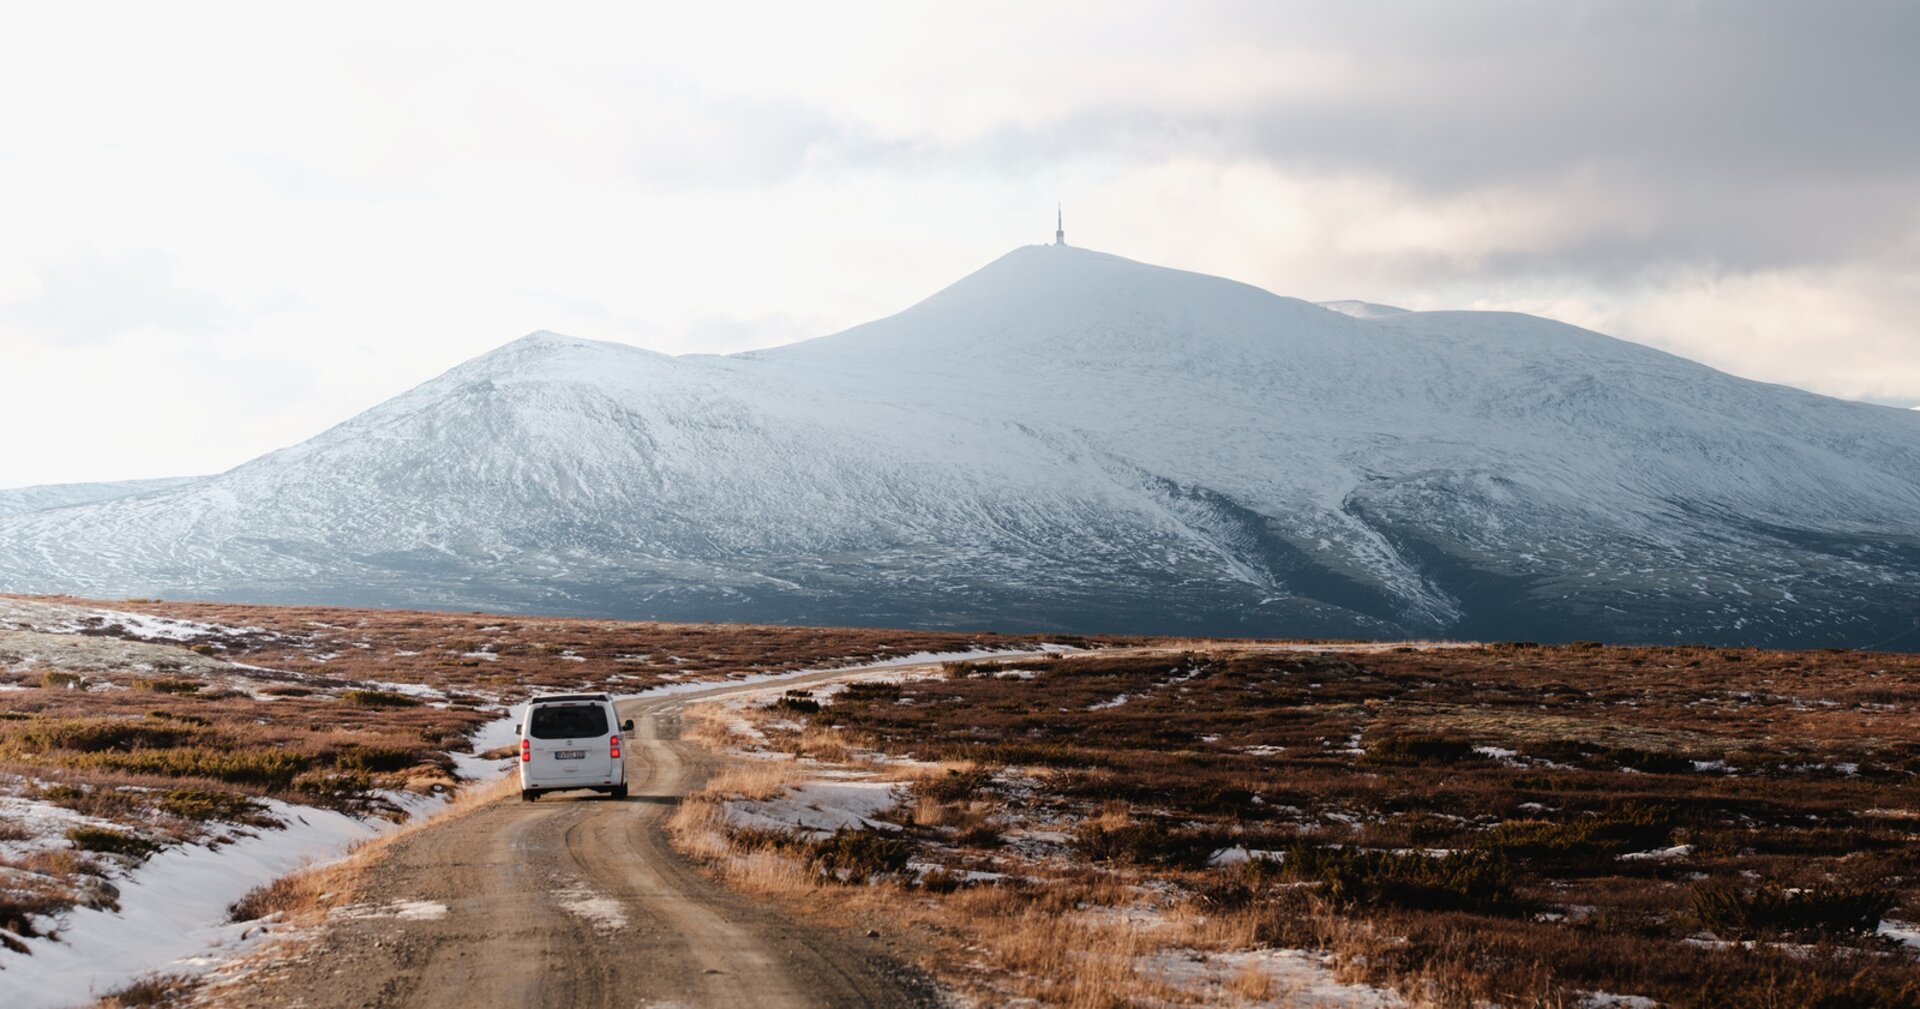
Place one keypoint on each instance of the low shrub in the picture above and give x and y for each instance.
(266, 769)
(941, 880)
(112, 842)
(334, 784)
(287, 893)
(1145, 842)
(798, 702)
(858, 856)
(857, 693)
(1771, 910)
(1412, 880)
(168, 686)
(99, 801)
(201, 806)
(171, 716)
(985, 834)
(954, 786)
(18, 908)
(1869, 988)
(1598, 757)
(1583, 843)
(1646, 761)
(1228, 800)
(1238, 887)
(152, 990)
(379, 699)
(1419, 748)
(98, 735)
(377, 759)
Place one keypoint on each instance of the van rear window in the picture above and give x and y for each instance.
(573, 721)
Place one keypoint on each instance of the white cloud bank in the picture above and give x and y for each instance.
(229, 226)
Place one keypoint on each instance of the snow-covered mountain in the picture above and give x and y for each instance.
(1071, 440)
(1362, 309)
(19, 500)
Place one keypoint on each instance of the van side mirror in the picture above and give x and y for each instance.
(626, 726)
(516, 730)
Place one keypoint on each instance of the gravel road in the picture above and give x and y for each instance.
(574, 902)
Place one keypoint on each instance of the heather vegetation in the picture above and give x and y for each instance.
(140, 736)
(1509, 824)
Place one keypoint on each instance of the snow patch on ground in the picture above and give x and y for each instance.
(409, 689)
(1293, 977)
(173, 911)
(1658, 855)
(44, 823)
(1603, 1000)
(1239, 854)
(604, 913)
(820, 807)
(1902, 931)
(405, 910)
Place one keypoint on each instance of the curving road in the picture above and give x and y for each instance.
(575, 902)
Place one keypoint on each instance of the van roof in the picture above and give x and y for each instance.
(548, 698)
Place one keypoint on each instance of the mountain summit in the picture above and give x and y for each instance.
(1071, 440)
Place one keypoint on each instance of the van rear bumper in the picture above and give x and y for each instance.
(572, 784)
(547, 790)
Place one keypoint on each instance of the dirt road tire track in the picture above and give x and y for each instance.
(508, 937)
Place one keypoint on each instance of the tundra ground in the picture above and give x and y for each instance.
(136, 727)
(1520, 825)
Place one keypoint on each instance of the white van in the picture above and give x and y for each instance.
(570, 741)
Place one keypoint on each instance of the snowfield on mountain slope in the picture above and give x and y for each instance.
(1071, 440)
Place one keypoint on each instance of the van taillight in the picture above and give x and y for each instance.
(616, 747)
(526, 750)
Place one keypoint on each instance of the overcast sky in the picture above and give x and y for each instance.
(223, 229)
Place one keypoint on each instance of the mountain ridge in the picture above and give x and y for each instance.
(1068, 440)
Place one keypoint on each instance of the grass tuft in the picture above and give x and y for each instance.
(167, 686)
(112, 842)
(1773, 911)
(379, 699)
(1414, 881)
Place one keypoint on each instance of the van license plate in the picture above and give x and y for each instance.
(569, 754)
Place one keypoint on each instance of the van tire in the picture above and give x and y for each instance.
(619, 792)
(528, 795)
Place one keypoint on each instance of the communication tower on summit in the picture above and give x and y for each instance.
(1059, 226)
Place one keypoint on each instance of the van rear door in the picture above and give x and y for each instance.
(568, 741)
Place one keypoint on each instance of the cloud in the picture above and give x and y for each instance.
(93, 300)
(1859, 323)
(343, 213)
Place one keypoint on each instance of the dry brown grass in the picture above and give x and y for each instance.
(172, 739)
(1782, 772)
(1039, 948)
(756, 780)
(445, 650)
(305, 896)
(1252, 984)
(154, 991)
